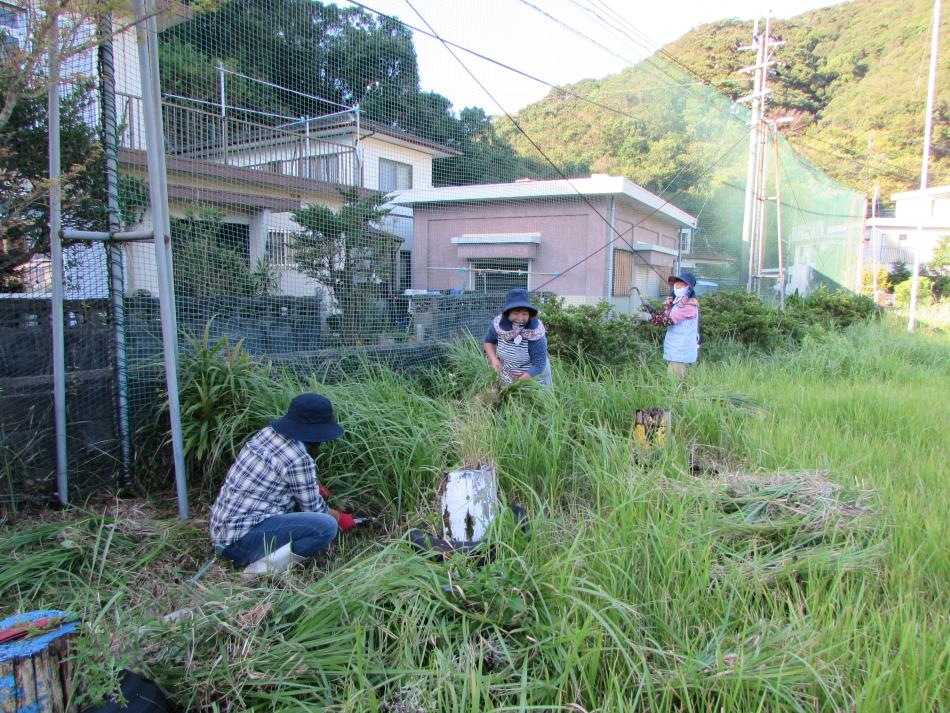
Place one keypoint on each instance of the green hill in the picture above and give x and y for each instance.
(849, 72)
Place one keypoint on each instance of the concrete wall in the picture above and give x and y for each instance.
(570, 232)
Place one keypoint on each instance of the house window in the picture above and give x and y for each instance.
(405, 270)
(686, 241)
(12, 17)
(623, 273)
(280, 248)
(324, 168)
(499, 275)
(394, 176)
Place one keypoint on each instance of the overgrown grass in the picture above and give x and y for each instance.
(810, 573)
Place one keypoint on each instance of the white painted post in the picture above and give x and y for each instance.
(925, 167)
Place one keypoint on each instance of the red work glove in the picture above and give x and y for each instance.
(345, 521)
(324, 493)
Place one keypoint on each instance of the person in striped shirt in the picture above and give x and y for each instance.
(516, 344)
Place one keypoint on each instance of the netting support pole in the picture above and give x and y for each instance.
(145, 30)
(56, 258)
(778, 223)
(925, 167)
(114, 251)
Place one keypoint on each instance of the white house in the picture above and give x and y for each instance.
(253, 170)
(892, 239)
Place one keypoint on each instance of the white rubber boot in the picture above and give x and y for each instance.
(277, 561)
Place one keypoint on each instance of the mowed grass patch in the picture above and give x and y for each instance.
(810, 576)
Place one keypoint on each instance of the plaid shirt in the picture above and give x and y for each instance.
(271, 476)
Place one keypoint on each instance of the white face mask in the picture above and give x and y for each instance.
(680, 291)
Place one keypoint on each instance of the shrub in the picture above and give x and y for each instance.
(595, 333)
(924, 292)
(898, 274)
(835, 309)
(743, 318)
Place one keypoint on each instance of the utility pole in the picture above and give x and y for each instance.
(874, 248)
(753, 218)
(925, 167)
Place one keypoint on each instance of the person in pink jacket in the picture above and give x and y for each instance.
(680, 316)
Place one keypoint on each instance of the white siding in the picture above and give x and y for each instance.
(375, 149)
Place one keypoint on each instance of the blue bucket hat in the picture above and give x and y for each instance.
(687, 277)
(518, 298)
(309, 419)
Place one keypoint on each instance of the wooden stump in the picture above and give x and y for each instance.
(651, 428)
(469, 500)
(35, 671)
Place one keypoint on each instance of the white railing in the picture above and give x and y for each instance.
(195, 133)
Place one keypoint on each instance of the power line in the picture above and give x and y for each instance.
(557, 168)
(502, 65)
(619, 236)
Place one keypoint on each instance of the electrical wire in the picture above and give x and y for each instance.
(514, 122)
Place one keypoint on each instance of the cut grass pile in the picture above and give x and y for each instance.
(809, 572)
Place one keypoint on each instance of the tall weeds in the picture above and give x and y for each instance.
(806, 569)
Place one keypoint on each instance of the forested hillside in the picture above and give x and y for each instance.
(849, 72)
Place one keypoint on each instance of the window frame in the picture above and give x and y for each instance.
(396, 166)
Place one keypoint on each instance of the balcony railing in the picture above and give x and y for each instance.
(231, 141)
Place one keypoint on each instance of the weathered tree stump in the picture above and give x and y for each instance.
(651, 428)
(469, 501)
(35, 671)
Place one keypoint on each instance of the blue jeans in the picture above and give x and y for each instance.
(308, 533)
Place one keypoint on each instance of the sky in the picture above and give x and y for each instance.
(535, 36)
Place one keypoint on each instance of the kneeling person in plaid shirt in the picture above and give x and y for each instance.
(271, 509)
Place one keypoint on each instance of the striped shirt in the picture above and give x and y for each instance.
(529, 356)
(271, 476)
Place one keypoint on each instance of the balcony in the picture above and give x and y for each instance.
(249, 146)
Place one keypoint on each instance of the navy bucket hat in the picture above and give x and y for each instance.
(309, 419)
(518, 298)
(687, 277)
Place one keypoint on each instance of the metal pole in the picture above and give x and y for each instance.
(356, 151)
(159, 206)
(874, 249)
(610, 255)
(151, 35)
(859, 270)
(752, 162)
(778, 221)
(114, 251)
(224, 118)
(762, 199)
(925, 167)
(56, 258)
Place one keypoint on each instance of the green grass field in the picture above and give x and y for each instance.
(807, 568)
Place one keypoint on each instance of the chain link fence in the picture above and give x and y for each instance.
(319, 203)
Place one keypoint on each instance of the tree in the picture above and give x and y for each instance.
(348, 255)
(940, 262)
(898, 274)
(24, 184)
(24, 127)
